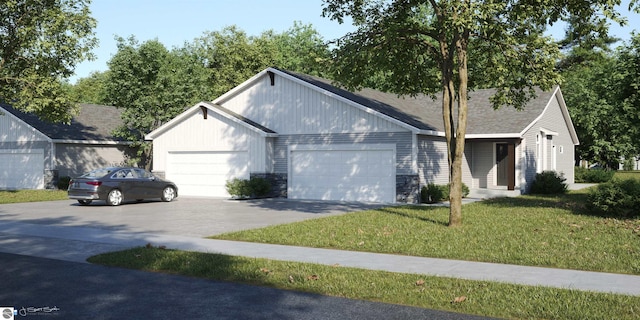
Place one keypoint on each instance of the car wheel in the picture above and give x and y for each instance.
(84, 202)
(168, 194)
(115, 197)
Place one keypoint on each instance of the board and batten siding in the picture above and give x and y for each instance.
(14, 130)
(402, 142)
(563, 156)
(289, 107)
(216, 133)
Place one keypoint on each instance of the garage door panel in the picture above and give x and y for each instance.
(206, 173)
(22, 169)
(345, 175)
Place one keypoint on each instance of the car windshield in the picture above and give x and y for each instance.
(98, 173)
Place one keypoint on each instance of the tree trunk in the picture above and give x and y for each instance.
(455, 180)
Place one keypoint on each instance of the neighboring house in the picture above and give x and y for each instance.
(35, 153)
(313, 140)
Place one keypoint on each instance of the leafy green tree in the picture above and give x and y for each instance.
(41, 42)
(601, 94)
(426, 47)
(232, 56)
(301, 49)
(90, 89)
(627, 84)
(152, 85)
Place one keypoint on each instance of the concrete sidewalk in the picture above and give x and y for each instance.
(78, 243)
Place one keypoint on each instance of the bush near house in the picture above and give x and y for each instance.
(620, 198)
(251, 188)
(549, 182)
(433, 193)
(63, 183)
(584, 175)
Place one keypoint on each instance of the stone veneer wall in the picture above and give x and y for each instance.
(408, 188)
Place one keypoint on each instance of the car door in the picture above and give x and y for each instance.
(128, 183)
(146, 184)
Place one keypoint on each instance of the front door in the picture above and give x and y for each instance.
(502, 164)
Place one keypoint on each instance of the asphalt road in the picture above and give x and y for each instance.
(57, 289)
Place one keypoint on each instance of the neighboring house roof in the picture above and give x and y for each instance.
(92, 123)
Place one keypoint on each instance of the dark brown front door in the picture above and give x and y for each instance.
(502, 164)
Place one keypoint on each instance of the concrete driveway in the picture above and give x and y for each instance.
(193, 217)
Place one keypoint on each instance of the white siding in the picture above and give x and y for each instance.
(552, 119)
(433, 165)
(216, 133)
(13, 130)
(288, 107)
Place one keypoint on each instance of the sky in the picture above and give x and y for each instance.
(174, 22)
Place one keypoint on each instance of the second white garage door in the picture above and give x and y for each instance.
(22, 169)
(206, 173)
(343, 175)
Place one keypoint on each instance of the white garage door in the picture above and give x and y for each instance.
(343, 175)
(206, 173)
(22, 169)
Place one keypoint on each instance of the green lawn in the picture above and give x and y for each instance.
(16, 196)
(553, 231)
(475, 297)
(627, 175)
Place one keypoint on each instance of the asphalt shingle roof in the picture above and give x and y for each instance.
(93, 122)
(425, 113)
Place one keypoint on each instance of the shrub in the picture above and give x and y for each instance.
(585, 175)
(252, 188)
(259, 187)
(617, 198)
(63, 183)
(548, 182)
(431, 193)
(445, 190)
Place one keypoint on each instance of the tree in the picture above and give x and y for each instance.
(152, 85)
(601, 94)
(426, 46)
(232, 56)
(41, 42)
(90, 89)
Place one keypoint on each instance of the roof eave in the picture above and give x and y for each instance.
(92, 142)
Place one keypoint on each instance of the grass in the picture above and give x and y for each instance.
(17, 196)
(553, 231)
(463, 296)
(627, 175)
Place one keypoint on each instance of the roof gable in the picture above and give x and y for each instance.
(264, 131)
(92, 123)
